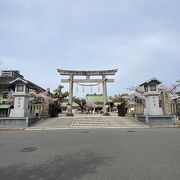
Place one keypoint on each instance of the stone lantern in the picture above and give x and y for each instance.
(21, 101)
(152, 106)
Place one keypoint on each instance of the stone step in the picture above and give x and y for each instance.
(89, 125)
(88, 118)
(89, 122)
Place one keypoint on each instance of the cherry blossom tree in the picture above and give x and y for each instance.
(90, 106)
(137, 91)
(38, 98)
(34, 97)
(171, 89)
(120, 98)
(10, 97)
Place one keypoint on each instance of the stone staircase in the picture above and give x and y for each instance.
(88, 122)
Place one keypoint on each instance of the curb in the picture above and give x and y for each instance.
(12, 129)
(76, 128)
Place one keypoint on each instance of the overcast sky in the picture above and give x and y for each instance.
(139, 37)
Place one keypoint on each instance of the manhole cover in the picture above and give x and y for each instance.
(29, 149)
(130, 131)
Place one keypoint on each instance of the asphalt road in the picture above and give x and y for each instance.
(97, 154)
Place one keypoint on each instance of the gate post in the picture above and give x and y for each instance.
(104, 85)
(71, 83)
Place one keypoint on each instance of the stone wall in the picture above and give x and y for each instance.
(17, 122)
(157, 120)
(135, 108)
(175, 108)
(41, 109)
(166, 103)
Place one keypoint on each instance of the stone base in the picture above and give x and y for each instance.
(153, 111)
(19, 113)
(157, 120)
(106, 114)
(17, 122)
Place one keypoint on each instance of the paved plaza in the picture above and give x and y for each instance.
(91, 154)
(91, 121)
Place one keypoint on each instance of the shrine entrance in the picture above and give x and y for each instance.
(88, 81)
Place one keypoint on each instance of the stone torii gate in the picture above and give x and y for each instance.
(87, 74)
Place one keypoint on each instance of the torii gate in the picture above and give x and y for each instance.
(88, 79)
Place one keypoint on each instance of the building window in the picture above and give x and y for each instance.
(152, 88)
(20, 88)
(5, 95)
(146, 88)
(27, 89)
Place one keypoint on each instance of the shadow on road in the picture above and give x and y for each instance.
(69, 166)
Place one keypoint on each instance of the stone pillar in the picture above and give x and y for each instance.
(71, 83)
(21, 102)
(104, 86)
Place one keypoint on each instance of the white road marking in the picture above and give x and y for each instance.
(105, 122)
(73, 122)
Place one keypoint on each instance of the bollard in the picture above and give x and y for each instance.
(135, 117)
(27, 121)
(147, 119)
(174, 119)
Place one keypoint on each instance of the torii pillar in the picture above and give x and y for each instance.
(104, 86)
(71, 84)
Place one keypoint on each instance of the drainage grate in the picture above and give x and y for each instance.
(130, 131)
(29, 149)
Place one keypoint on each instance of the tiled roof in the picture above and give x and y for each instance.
(151, 80)
(5, 80)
